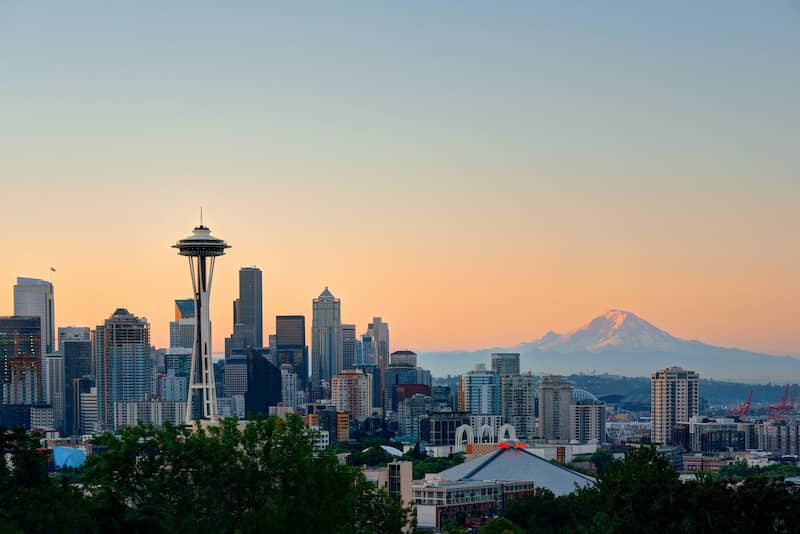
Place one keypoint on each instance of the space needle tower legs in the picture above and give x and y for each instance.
(201, 248)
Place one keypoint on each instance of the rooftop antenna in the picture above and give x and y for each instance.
(201, 215)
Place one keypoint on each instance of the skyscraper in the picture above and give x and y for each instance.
(674, 398)
(34, 298)
(380, 335)
(348, 354)
(290, 346)
(263, 384)
(505, 363)
(555, 398)
(181, 330)
(54, 369)
(326, 336)
(20, 343)
(75, 344)
(124, 363)
(519, 403)
(369, 353)
(480, 392)
(250, 310)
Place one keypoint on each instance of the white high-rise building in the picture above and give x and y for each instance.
(351, 393)
(54, 371)
(34, 298)
(88, 412)
(288, 386)
(674, 398)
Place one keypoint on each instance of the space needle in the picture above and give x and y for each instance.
(200, 247)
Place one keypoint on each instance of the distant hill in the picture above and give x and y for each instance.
(619, 342)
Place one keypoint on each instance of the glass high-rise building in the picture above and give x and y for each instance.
(181, 330)
(34, 298)
(20, 360)
(347, 361)
(326, 336)
(248, 325)
(75, 345)
(480, 392)
(124, 360)
(290, 346)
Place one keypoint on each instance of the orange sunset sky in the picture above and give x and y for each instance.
(476, 177)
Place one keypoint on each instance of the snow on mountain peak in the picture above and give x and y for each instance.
(619, 329)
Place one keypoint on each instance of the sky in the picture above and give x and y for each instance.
(475, 173)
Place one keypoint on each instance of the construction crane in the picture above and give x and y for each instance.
(743, 409)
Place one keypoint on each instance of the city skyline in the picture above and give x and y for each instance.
(475, 176)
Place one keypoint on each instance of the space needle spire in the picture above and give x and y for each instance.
(202, 249)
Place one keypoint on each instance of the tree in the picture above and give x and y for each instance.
(263, 477)
(30, 501)
(500, 526)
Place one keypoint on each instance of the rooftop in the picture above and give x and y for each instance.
(513, 464)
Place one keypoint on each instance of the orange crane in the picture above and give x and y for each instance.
(743, 409)
(785, 408)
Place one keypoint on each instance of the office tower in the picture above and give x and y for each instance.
(235, 375)
(76, 347)
(505, 363)
(398, 375)
(480, 392)
(350, 393)
(251, 303)
(181, 330)
(380, 334)
(588, 421)
(369, 353)
(519, 403)
(290, 346)
(34, 298)
(263, 384)
(555, 398)
(348, 354)
(674, 398)
(288, 386)
(73, 333)
(248, 324)
(403, 357)
(409, 412)
(326, 336)
(124, 363)
(202, 250)
(20, 343)
(54, 370)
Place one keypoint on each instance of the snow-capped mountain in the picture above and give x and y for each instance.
(620, 342)
(615, 329)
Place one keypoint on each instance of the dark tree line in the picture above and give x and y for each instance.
(643, 494)
(263, 478)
